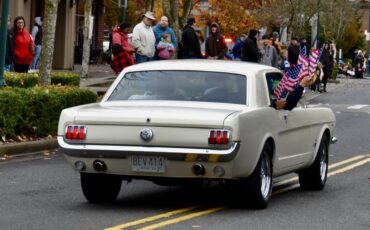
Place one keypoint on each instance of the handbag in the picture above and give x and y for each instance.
(32, 48)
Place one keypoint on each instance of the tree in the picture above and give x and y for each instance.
(234, 19)
(134, 10)
(86, 34)
(149, 5)
(294, 14)
(112, 13)
(336, 17)
(177, 12)
(49, 25)
(344, 14)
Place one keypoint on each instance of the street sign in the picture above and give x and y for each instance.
(122, 3)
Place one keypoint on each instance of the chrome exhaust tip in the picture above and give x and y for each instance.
(99, 166)
(198, 169)
(80, 166)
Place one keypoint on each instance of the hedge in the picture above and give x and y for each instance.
(35, 111)
(27, 80)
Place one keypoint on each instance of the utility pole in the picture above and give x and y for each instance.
(3, 33)
(123, 6)
(318, 23)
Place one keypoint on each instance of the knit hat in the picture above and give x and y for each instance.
(190, 21)
(253, 32)
(275, 34)
(124, 26)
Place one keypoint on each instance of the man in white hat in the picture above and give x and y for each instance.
(143, 39)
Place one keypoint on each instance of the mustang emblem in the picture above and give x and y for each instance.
(146, 134)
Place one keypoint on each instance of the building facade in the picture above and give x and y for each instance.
(68, 26)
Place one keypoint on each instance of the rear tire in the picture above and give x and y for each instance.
(99, 188)
(314, 177)
(258, 185)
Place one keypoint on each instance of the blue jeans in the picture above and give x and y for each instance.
(141, 58)
(7, 68)
(36, 58)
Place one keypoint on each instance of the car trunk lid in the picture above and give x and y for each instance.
(172, 125)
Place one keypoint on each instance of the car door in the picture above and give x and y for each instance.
(294, 138)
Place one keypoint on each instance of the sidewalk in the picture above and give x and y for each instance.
(99, 79)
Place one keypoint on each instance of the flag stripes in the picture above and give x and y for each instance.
(305, 67)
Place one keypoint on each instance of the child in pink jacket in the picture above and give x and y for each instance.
(165, 48)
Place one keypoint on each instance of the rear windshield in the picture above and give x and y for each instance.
(182, 86)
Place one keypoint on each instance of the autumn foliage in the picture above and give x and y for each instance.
(234, 19)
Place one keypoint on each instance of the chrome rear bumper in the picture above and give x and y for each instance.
(117, 151)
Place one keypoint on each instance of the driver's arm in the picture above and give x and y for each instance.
(296, 94)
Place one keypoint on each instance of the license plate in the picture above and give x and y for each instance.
(148, 164)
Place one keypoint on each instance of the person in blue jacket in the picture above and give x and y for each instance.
(237, 48)
(163, 28)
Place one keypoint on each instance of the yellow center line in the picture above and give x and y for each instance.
(183, 218)
(339, 171)
(349, 167)
(152, 218)
(331, 166)
(216, 209)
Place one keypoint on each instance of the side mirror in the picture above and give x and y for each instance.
(334, 140)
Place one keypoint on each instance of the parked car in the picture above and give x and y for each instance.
(189, 121)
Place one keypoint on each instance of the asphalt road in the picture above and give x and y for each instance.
(43, 192)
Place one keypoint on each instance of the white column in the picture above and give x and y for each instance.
(313, 23)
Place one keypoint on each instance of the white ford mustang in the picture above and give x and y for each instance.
(187, 121)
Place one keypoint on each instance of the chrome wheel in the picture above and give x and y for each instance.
(314, 177)
(258, 186)
(265, 176)
(323, 164)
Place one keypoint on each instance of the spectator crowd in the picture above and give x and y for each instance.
(150, 42)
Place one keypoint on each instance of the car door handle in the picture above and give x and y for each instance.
(285, 116)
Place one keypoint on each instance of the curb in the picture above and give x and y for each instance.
(27, 147)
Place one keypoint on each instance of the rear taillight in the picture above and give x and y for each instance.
(75, 132)
(218, 137)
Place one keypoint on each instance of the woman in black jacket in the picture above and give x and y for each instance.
(327, 60)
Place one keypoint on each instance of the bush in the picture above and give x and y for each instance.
(23, 80)
(334, 72)
(27, 80)
(35, 111)
(65, 78)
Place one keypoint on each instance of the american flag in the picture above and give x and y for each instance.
(288, 82)
(314, 59)
(320, 52)
(302, 60)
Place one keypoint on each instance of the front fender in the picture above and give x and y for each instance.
(325, 130)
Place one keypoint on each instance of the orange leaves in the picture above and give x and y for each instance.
(233, 17)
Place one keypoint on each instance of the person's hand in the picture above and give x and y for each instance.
(305, 82)
(280, 103)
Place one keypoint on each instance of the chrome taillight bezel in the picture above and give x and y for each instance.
(72, 133)
(219, 137)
